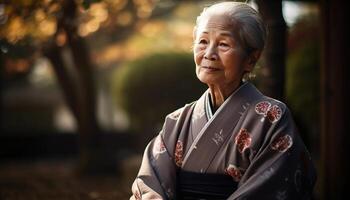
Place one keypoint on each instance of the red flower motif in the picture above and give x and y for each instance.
(282, 143)
(158, 146)
(137, 195)
(262, 107)
(243, 140)
(233, 171)
(274, 113)
(178, 153)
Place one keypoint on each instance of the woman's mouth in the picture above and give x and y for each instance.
(210, 68)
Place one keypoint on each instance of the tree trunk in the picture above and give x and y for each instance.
(69, 88)
(90, 148)
(80, 94)
(273, 58)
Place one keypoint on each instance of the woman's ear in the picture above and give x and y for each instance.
(251, 60)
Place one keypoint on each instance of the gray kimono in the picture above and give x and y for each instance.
(250, 137)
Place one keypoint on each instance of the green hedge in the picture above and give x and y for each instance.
(303, 77)
(302, 88)
(151, 87)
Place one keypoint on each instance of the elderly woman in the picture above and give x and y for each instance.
(233, 142)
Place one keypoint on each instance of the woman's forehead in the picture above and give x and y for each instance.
(219, 21)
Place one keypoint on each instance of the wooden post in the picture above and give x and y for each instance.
(334, 94)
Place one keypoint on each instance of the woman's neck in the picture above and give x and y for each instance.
(220, 94)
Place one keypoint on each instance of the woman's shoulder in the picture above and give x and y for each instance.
(269, 108)
(175, 120)
(180, 111)
(269, 101)
(259, 101)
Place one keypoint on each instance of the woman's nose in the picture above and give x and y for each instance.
(210, 53)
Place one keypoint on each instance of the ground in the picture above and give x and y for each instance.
(58, 179)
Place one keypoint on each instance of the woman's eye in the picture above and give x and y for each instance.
(223, 44)
(203, 42)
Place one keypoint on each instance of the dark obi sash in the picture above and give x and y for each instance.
(191, 186)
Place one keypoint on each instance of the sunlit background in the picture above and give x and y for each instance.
(30, 79)
(133, 59)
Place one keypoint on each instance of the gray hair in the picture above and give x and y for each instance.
(248, 27)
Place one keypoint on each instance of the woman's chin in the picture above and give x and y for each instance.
(208, 80)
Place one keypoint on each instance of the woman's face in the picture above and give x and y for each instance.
(219, 58)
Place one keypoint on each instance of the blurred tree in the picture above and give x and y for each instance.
(273, 58)
(54, 28)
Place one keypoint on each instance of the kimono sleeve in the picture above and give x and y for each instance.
(157, 173)
(281, 169)
(146, 184)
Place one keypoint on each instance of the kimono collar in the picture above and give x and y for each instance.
(209, 105)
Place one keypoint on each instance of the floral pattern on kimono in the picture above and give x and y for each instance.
(137, 195)
(272, 113)
(235, 172)
(282, 143)
(262, 107)
(179, 153)
(243, 140)
(158, 146)
(274, 171)
(265, 156)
